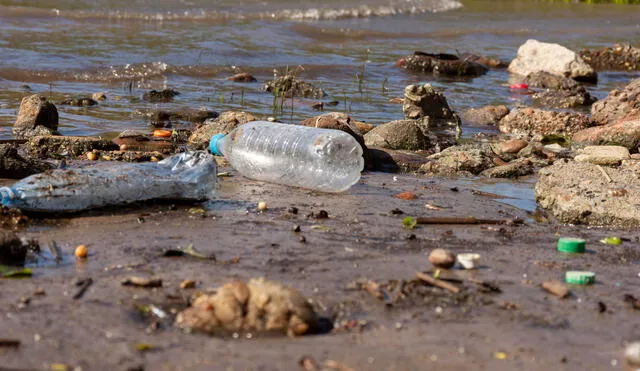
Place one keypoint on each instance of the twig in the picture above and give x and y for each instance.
(438, 283)
(605, 174)
(465, 220)
(83, 286)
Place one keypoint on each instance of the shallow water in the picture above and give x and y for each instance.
(74, 48)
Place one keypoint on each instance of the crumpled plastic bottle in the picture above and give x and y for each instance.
(320, 159)
(185, 176)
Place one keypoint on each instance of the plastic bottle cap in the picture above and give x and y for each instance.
(214, 144)
(580, 278)
(571, 245)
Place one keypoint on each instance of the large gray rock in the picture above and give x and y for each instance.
(223, 124)
(409, 135)
(534, 56)
(36, 116)
(537, 122)
(624, 132)
(618, 104)
(580, 193)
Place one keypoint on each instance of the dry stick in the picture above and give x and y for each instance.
(438, 283)
(465, 220)
(605, 173)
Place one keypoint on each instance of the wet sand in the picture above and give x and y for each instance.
(528, 327)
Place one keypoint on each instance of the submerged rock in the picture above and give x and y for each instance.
(624, 132)
(409, 135)
(537, 122)
(534, 56)
(289, 86)
(79, 102)
(485, 116)
(36, 116)
(621, 57)
(14, 166)
(584, 193)
(155, 96)
(259, 305)
(242, 77)
(442, 64)
(560, 91)
(55, 146)
(162, 118)
(618, 104)
(223, 124)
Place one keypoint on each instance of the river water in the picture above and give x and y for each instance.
(70, 48)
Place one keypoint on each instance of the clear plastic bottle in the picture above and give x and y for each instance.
(321, 159)
(185, 176)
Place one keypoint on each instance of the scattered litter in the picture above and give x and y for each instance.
(571, 245)
(500, 355)
(466, 220)
(406, 196)
(611, 240)
(468, 260)
(142, 282)
(81, 252)
(9, 343)
(437, 282)
(188, 251)
(144, 347)
(262, 206)
(162, 133)
(14, 272)
(580, 278)
(556, 288)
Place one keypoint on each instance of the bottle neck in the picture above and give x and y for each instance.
(216, 144)
(6, 195)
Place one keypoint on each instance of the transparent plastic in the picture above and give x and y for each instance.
(320, 159)
(185, 176)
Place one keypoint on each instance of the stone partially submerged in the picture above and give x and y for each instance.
(289, 86)
(534, 56)
(622, 57)
(259, 305)
(442, 64)
(585, 193)
(618, 104)
(411, 135)
(36, 116)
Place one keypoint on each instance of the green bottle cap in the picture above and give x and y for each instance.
(580, 278)
(571, 245)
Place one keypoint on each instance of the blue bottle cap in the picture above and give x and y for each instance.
(214, 144)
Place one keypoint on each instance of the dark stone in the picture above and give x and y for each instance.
(14, 166)
(441, 64)
(55, 146)
(155, 96)
(289, 86)
(621, 57)
(80, 102)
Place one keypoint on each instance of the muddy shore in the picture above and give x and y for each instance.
(521, 327)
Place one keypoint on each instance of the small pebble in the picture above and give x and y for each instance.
(442, 258)
(91, 156)
(81, 252)
(187, 284)
(124, 147)
(302, 239)
(296, 228)
(262, 206)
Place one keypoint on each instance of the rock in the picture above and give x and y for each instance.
(130, 156)
(537, 122)
(54, 146)
(14, 166)
(226, 122)
(556, 288)
(155, 96)
(484, 60)
(618, 104)
(603, 155)
(510, 146)
(622, 57)
(468, 159)
(441, 64)
(161, 118)
(242, 77)
(409, 135)
(12, 250)
(534, 56)
(578, 97)
(442, 258)
(260, 305)
(391, 161)
(485, 116)
(579, 193)
(424, 102)
(632, 355)
(79, 102)
(336, 121)
(364, 127)
(547, 80)
(99, 96)
(513, 169)
(36, 116)
(625, 132)
(290, 86)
